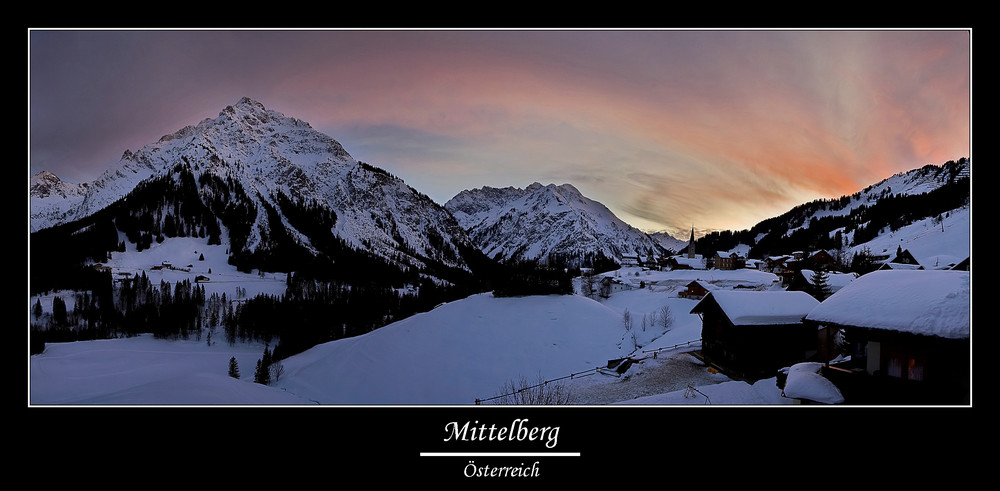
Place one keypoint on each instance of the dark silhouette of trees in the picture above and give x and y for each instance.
(234, 368)
(864, 262)
(262, 374)
(529, 277)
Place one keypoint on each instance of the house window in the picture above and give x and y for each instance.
(905, 367)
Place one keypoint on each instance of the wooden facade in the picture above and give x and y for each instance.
(757, 349)
(695, 289)
(894, 367)
(900, 350)
(729, 261)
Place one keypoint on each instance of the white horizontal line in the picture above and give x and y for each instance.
(499, 454)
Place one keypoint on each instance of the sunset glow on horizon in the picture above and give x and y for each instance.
(671, 129)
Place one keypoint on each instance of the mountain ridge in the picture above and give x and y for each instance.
(270, 165)
(543, 222)
(850, 223)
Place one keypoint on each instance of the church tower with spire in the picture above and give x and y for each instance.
(690, 253)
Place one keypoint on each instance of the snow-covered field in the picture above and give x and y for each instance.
(459, 352)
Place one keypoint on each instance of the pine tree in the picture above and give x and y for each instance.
(266, 360)
(234, 368)
(257, 376)
(820, 286)
(59, 311)
(262, 374)
(864, 262)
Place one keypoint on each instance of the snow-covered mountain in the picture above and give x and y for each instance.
(54, 201)
(926, 179)
(544, 222)
(669, 242)
(934, 196)
(275, 167)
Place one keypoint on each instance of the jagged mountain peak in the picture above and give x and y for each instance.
(565, 187)
(542, 221)
(275, 162)
(44, 184)
(249, 113)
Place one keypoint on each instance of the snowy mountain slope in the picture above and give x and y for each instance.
(266, 156)
(936, 243)
(911, 183)
(54, 201)
(852, 221)
(539, 222)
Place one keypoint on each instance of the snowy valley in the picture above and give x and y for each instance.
(455, 354)
(252, 208)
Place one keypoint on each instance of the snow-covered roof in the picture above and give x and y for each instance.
(752, 308)
(921, 302)
(835, 281)
(704, 284)
(940, 261)
(698, 262)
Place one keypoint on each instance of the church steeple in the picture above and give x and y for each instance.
(691, 245)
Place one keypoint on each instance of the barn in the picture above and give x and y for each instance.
(752, 335)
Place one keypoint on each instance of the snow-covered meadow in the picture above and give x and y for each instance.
(453, 355)
(462, 351)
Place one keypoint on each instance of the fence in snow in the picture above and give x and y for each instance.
(585, 373)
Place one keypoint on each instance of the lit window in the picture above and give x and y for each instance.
(905, 367)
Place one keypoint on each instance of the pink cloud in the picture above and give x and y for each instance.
(771, 118)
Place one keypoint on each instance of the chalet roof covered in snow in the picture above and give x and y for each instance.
(752, 308)
(704, 284)
(921, 302)
(697, 262)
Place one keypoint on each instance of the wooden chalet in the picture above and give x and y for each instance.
(630, 260)
(697, 289)
(729, 261)
(908, 337)
(752, 335)
(902, 260)
(774, 264)
(822, 259)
